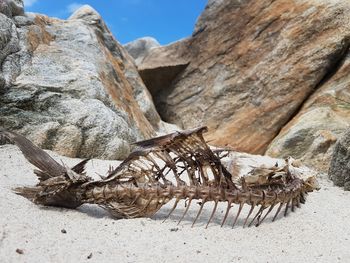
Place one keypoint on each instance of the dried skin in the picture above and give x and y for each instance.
(178, 166)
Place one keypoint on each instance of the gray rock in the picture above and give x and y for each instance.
(17, 7)
(339, 170)
(72, 88)
(8, 37)
(11, 8)
(9, 44)
(139, 48)
(2, 82)
(24, 20)
(140, 92)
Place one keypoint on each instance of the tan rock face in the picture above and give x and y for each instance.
(252, 66)
(312, 133)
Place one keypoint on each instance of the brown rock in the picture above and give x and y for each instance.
(252, 65)
(312, 133)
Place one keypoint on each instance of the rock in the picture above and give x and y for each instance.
(252, 64)
(139, 48)
(161, 65)
(72, 88)
(17, 7)
(140, 92)
(8, 37)
(324, 117)
(9, 42)
(339, 170)
(25, 20)
(11, 8)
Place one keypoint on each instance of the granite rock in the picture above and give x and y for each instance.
(139, 48)
(339, 170)
(69, 86)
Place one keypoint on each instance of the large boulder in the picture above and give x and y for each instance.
(313, 132)
(252, 65)
(339, 170)
(71, 87)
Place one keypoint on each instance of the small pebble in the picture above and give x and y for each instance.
(19, 251)
(63, 231)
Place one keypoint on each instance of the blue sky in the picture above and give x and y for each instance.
(165, 20)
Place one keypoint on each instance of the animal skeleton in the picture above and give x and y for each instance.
(178, 166)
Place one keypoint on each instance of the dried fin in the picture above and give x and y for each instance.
(258, 214)
(35, 155)
(302, 198)
(58, 185)
(268, 212)
(277, 212)
(27, 192)
(212, 214)
(287, 206)
(199, 211)
(227, 212)
(239, 211)
(188, 206)
(80, 167)
(250, 212)
(298, 201)
(293, 204)
(172, 209)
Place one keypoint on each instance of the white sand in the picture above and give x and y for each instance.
(318, 232)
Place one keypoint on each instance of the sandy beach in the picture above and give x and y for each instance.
(318, 232)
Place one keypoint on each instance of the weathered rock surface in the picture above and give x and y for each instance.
(312, 133)
(339, 170)
(252, 64)
(71, 87)
(139, 48)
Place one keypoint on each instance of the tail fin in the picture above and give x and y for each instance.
(58, 185)
(34, 154)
